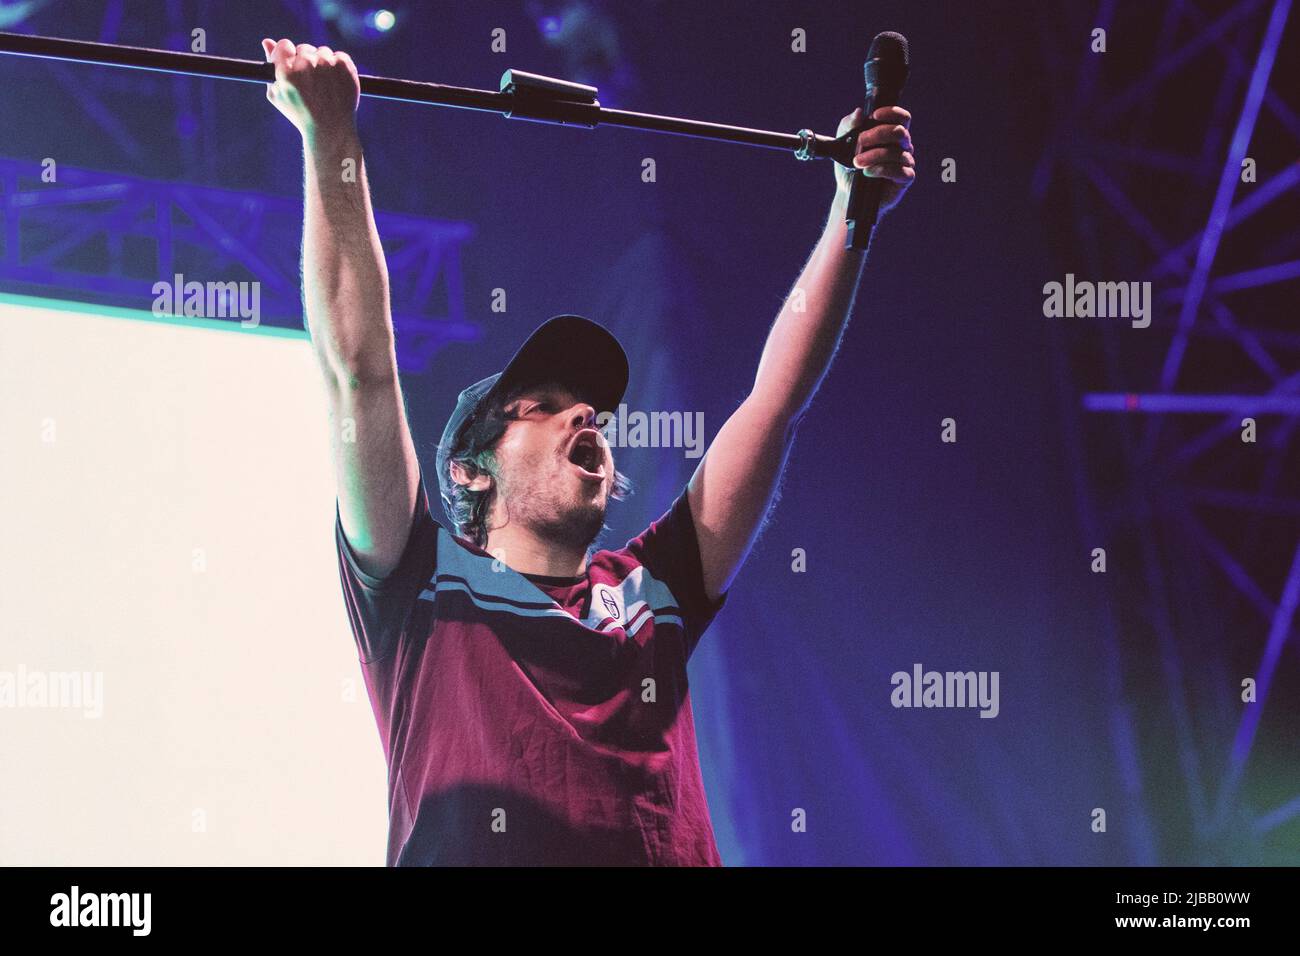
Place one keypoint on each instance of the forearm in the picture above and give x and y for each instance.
(345, 277)
(807, 332)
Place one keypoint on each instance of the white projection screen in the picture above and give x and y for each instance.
(169, 508)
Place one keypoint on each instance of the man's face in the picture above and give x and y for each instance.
(555, 468)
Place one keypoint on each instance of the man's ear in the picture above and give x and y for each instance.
(480, 482)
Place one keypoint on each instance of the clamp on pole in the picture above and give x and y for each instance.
(545, 99)
(842, 149)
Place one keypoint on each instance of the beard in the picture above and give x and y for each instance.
(556, 507)
(576, 529)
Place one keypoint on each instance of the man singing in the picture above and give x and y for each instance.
(530, 691)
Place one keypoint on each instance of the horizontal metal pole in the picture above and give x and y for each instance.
(719, 131)
(412, 91)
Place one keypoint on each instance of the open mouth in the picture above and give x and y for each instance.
(588, 454)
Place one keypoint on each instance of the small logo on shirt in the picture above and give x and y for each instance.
(609, 600)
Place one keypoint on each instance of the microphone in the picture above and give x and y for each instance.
(885, 72)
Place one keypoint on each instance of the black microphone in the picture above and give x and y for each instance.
(886, 72)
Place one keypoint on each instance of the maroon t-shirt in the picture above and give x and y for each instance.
(532, 720)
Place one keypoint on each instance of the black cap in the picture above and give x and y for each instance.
(578, 353)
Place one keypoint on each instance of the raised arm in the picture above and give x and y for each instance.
(345, 297)
(734, 485)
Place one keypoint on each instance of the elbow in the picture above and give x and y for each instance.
(792, 425)
(354, 368)
(369, 373)
(776, 417)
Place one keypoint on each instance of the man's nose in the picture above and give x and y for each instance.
(584, 416)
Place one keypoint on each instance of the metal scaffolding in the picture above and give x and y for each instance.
(1147, 176)
(109, 238)
(106, 236)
